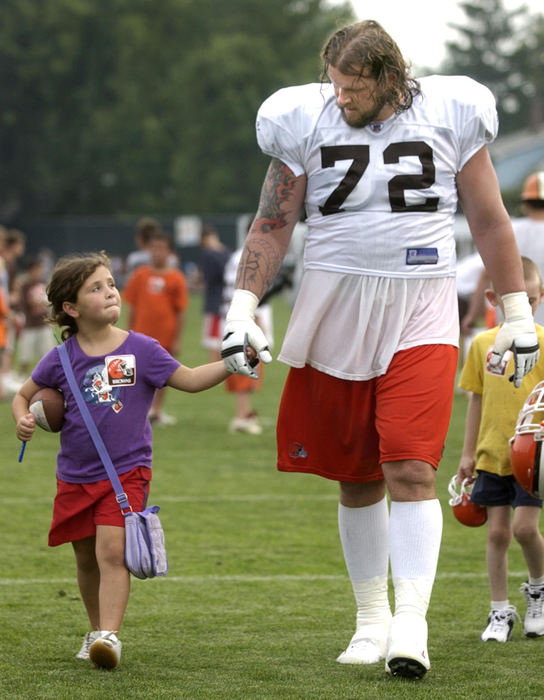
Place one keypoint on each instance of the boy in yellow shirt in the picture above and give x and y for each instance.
(493, 408)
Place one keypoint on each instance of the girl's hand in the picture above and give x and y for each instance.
(25, 427)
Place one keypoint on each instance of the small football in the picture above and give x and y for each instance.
(47, 407)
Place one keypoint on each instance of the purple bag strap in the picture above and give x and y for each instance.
(120, 495)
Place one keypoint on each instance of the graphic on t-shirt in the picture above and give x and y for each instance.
(156, 284)
(121, 370)
(97, 390)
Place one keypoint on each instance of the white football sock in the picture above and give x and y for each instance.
(415, 532)
(364, 533)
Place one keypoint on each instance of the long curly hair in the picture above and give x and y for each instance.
(366, 45)
(67, 278)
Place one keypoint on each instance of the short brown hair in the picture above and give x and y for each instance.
(531, 270)
(146, 227)
(67, 278)
(366, 45)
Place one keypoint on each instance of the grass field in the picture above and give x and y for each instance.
(257, 603)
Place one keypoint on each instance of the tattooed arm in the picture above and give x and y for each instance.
(280, 205)
(282, 197)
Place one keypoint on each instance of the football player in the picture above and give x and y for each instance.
(378, 162)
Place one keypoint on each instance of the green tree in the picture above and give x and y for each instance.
(132, 106)
(532, 63)
(495, 49)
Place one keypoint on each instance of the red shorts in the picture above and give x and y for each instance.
(79, 508)
(344, 430)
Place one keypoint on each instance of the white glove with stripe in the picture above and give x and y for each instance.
(241, 331)
(517, 334)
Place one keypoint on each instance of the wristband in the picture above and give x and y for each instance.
(242, 306)
(516, 306)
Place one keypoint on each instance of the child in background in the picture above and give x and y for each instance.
(158, 297)
(4, 311)
(13, 248)
(145, 228)
(213, 258)
(86, 304)
(36, 336)
(493, 408)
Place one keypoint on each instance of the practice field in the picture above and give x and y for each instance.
(257, 603)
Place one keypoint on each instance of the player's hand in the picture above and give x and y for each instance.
(518, 335)
(238, 355)
(241, 331)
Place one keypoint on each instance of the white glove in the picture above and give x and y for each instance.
(241, 331)
(518, 334)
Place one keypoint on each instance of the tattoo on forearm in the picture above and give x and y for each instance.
(259, 265)
(263, 253)
(277, 187)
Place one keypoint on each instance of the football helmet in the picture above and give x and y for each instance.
(526, 455)
(533, 188)
(465, 511)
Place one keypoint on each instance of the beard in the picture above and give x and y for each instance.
(362, 119)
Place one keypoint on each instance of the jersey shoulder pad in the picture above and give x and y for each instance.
(464, 106)
(287, 117)
(457, 93)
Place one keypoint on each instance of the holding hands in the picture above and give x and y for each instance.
(244, 342)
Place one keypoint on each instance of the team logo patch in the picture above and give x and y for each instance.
(297, 451)
(421, 256)
(121, 370)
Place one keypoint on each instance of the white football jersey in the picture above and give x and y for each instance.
(380, 200)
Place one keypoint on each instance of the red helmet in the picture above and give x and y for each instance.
(526, 446)
(466, 512)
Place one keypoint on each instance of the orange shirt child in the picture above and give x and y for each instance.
(157, 298)
(4, 311)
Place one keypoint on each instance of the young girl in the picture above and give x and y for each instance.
(118, 373)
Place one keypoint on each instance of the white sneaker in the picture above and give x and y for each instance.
(89, 638)
(167, 419)
(407, 654)
(161, 418)
(12, 383)
(367, 646)
(499, 625)
(533, 625)
(105, 652)
(249, 425)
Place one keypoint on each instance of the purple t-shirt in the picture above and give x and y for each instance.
(118, 388)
